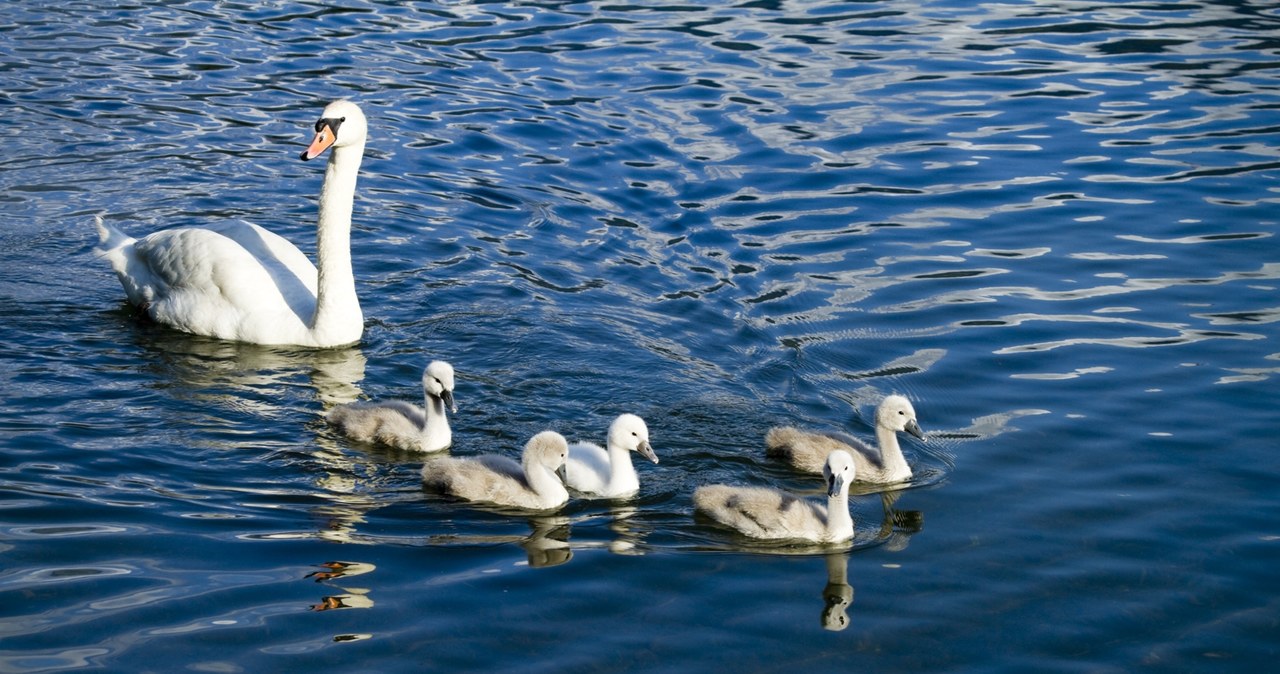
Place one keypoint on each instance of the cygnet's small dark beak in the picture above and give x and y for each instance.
(835, 484)
(447, 398)
(646, 450)
(914, 429)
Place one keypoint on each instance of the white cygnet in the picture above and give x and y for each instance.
(400, 424)
(608, 473)
(760, 512)
(532, 484)
(807, 451)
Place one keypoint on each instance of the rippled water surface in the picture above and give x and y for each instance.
(1049, 224)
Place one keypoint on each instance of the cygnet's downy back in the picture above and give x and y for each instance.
(760, 512)
(533, 484)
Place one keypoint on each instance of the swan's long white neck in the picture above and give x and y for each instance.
(336, 300)
(544, 482)
(891, 453)
(436, 431)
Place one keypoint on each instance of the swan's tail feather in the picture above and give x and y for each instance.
(109, 238)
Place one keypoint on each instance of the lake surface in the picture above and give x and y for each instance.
(1049, 224)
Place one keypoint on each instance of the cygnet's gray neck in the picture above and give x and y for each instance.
(891, 456)
(435, 428)
(544, 482)
(838, 517)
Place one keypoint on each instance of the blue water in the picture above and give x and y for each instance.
(1049, 224)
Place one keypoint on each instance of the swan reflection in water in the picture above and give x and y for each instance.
(236, 375)
(351, 597)
(226, 380)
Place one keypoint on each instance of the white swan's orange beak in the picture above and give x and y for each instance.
(325, 135)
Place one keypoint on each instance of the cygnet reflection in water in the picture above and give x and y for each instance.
(837, 596)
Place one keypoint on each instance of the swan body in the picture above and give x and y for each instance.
(608, 473)
(807, 451)
(401, 424)
(760, 512)
(532, 484)
(240, 282)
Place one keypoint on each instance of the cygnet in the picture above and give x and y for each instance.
(591, 469)
(807, 451)
(760, 512)
(400, 424)
(532, 484)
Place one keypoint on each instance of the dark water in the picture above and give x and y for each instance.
(1050, 224)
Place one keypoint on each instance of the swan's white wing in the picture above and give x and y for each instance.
(233, 280)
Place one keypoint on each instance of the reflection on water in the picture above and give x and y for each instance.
(546, 545)
(216, 371)
(837, 595)
(898, 526)
(351, 597)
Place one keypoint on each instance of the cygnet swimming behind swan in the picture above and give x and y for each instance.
(532, 484)
(608, 473)
(761, 512)
(807, 451)
(400, 424)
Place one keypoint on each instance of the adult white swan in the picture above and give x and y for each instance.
(238, 281)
